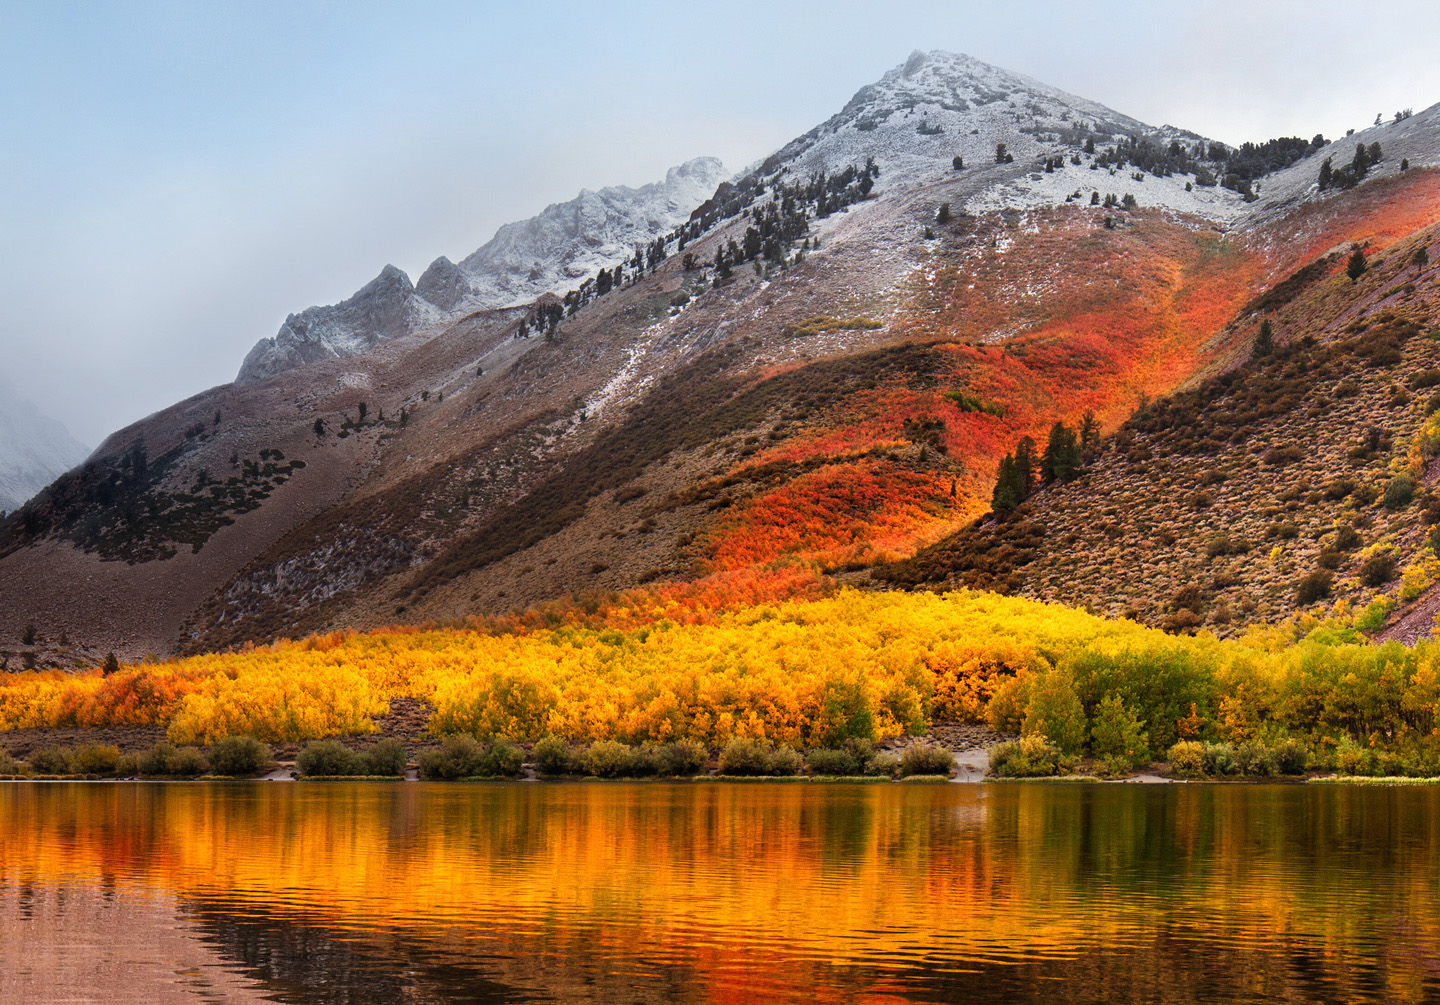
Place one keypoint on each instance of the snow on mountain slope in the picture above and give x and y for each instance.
(549, 253)
(936, 105)
(939, 105)
(572, 240)
(34, 449)
(1413, 141)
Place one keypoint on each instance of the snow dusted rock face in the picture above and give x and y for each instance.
(386, 308)
(34, 449)
(443, 284)
(571, 241)
(551, 253)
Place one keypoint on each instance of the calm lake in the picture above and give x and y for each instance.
(700, 892)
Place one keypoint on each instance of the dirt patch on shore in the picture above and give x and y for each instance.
(955, 736)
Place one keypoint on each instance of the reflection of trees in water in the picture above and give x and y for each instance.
(1177, 964)
(299, 962)
(315, 964)
(678, 893)
(1176, 967)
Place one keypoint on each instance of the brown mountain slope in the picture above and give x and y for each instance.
(1282, 482)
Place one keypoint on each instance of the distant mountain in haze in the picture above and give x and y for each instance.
(34, 449)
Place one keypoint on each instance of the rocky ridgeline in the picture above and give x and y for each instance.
(549, 253)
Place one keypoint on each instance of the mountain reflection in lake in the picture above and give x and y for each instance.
(701, 892)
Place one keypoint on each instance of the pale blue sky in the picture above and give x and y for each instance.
(177, 177)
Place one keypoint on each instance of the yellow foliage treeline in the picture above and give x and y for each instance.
(802, 672)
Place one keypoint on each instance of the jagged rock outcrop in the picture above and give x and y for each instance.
(385, 308)
(443, 284)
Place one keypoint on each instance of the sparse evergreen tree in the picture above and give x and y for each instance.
(1404, 164)
(958, 162)
(1025, 466)
(1000, 153)
(1264, 341)
(363, 409)
(751, 244)
(1089, 144)
(1089, 433)
(110, 666)
(1062, 458)
(943, 216)
(1362, 161)
(1008, 493)
(1095, 198)
(1421, 257)
(319, 427)
(1327, 172)
(28, 637)
(1356, 267)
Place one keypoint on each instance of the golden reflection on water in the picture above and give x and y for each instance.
(777, 892)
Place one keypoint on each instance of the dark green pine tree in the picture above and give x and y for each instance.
(1089, 433)
(1356, 267)
(1062, 458)
(111, 665)
(1025, 466)
(943, 216)
(1007, 494)
(1264, 341)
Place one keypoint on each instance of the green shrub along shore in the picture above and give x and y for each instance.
(465, 757)
(232, 757)
(1117, 747)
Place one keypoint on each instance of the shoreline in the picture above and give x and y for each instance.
(957, 778)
